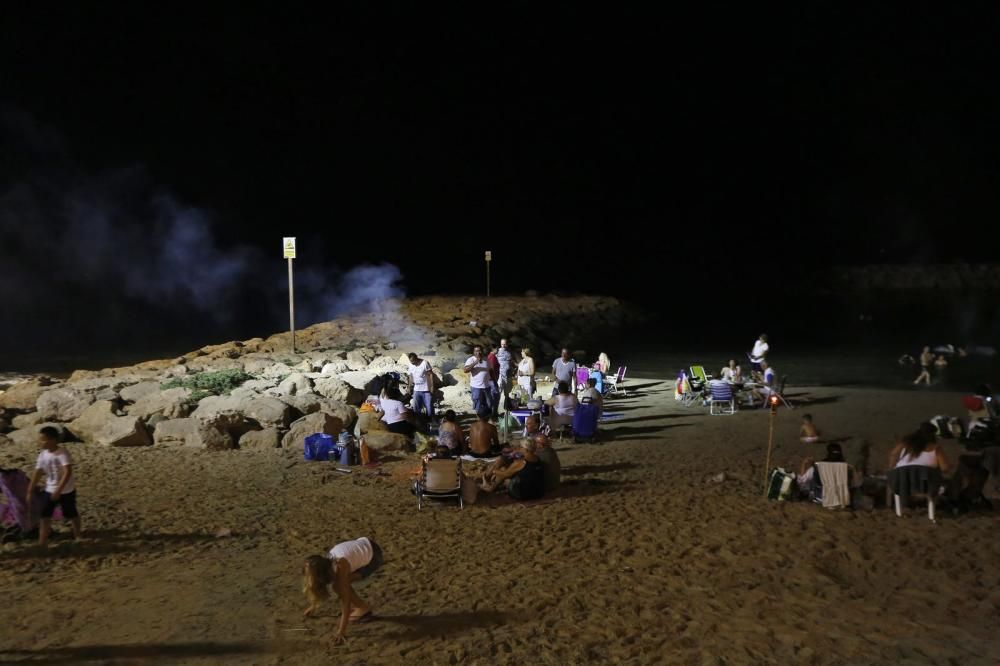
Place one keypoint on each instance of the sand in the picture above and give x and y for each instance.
(194, 556)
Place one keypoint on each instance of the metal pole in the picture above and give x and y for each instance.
(487, 278)
(770, 438)
(291, 303)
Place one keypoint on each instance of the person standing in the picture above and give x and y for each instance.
(494, 365)
(526, 374)
(759, 353)
(506, 368)
(56, 465)
(422, 385)
(479, 380)
(564, 369)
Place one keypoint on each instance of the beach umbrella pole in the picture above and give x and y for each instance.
(772, 401)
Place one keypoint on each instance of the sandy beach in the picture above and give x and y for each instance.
(193, 556)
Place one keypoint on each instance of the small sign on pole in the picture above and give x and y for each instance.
(489, 258)
(288, 245)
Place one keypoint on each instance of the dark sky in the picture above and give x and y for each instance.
(422, 136)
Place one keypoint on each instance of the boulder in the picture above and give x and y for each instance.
(192, 432)
(29, 435)
(5, 441)
(367, 422)
(359, 359)
(384, 364)
(367, 382)
(99, 424)
(137, 391)
(173, 403)
(63, 404)
(307, 425)
(261, 440)
(259, 385)
(335, 368)
(459, 397)
(457, 377)
(340, 390)
(304, 403)
(24, 395)
(295, 383)
(26, 420)
(383, 440)
(232, 412)
(276, 370)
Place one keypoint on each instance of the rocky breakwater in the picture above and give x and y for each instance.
(258, 394)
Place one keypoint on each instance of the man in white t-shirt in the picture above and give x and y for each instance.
(56, 466)
(479, 380)
(760, 348)
(564, 368)
(422, 385)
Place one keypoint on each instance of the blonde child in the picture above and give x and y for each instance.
(346, 562)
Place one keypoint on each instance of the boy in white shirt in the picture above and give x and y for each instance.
(60, 484)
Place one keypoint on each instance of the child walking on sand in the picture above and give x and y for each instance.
(346, 562)
(808, 433)
(60, 484)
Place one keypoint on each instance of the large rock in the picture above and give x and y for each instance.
(24, 395)
(359, 359)
(192, 432)
(340, 390)
(29, 435)
(458, 377)
(304, 403)
(294, 384)
(98, 424)
(261, 440)
(27, 420)
(384, 364)
(5, 441)
(367, 382)
(335, 368)
(63, 404)
(231, 413)
(135, 392)
(173, 403)
(307, 425)
(367, 422)
(383, 440)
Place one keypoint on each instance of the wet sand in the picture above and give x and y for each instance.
(640, 557)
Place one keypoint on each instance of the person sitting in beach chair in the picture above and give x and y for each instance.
(594, 393)
(840, 482)
(345, 563)
(562, 407)
(533, 426)
(732, 373)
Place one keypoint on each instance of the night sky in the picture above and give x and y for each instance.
(606, 152)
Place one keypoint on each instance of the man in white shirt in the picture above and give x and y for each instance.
(422, 385)
(479, 380)
(759, 352)
(60, 484)
(564, 368)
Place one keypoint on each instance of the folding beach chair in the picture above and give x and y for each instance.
(723, 401)
(611, 382)
(698, 375)
(689, 394)
(440, 478)
(915, 481)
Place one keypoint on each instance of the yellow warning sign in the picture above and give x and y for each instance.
(289, 245)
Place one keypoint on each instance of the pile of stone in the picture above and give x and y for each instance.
(288, 396)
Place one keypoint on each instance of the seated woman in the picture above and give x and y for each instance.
(918, 448)
(732, 373)
(809, 483)
(395, 413)
(450, 433)
(563, 407)
(603, 363)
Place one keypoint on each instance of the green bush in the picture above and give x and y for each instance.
(205, 384)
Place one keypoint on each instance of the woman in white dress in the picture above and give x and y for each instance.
(526, 374)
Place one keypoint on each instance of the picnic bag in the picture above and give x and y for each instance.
(781, 485)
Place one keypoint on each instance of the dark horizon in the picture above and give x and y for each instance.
(152, 161)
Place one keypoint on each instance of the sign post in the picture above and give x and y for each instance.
(489, 258)
(288, 243)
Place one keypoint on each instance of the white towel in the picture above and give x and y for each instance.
(836, 492)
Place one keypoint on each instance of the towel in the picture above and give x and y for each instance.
(834, 478)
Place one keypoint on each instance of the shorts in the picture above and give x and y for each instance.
(66, 502)
(375, 563)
